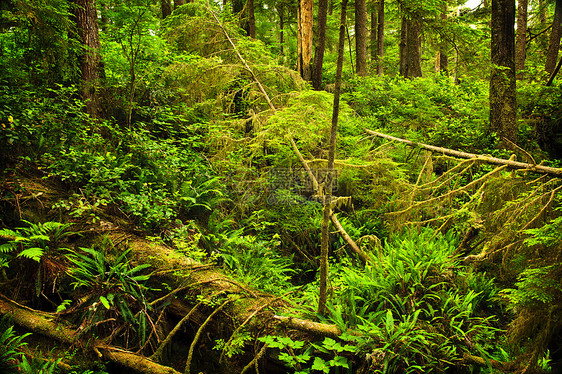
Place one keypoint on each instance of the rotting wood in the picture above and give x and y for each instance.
(48, 325)
(489, 159)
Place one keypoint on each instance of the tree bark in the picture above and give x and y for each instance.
(554, 42)
(361, 37)
(403, 64)
(413, 49)
(327, 211)
(373, 34)
(281, 10)
(443, 50)
(503, 102)
(91, 67)
(321, 44)
(166, 7)
(306, 31)
(380, 38)
(521, 38)
(251, 30)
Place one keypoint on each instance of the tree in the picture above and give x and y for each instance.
(320, 44)
(304, 39)
(380, 38)
(410, 47)
(373, 31)
(327, 210)
(91, 66)
(443, 55)
(521, 38)
(503, 103)
(166, 7)
(554, 43)
(361, 37)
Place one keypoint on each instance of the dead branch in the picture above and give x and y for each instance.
(450, 193)
(255, 360)
(198, 334)
(309, 326)
(489, 159)
(265, 305)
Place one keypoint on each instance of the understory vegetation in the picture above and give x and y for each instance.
(463, 257)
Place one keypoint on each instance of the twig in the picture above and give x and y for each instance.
(248, 320)
(255, 360)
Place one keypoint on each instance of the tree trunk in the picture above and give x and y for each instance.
(327, 211)
(321, 44)
(361, 37)
(91, 67)
(503, 103)
(413, 49)
(443, 50)
(281, 11)
(380, 38)
(554, 43)
(166, 7)
(306, 24)
(403, 64)
(521, 38)
(374, 26)
(251, 29)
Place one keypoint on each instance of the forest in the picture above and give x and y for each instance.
(274, 186)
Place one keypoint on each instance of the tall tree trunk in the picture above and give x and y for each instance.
(373, 34)
(166, 7)
(503, 103)
(413, 49)
(91, 67)
(306, 31)
(321, 44)
(403, 64)
(361, 36)
(325, 239)
(380, 38)
(554, 43)
(521, 37)
(178, 3)
(281, 11)
(443, 50)
(251, 30)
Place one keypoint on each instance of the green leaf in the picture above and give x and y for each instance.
(105, 302)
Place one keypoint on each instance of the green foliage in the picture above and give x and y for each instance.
(441, 112)
(10, 347)
(257, 262)
(110, 287)
(34, 241)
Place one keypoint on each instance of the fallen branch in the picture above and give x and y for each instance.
(47, 325)
(322, 329)
(489, 159)
(497, 365)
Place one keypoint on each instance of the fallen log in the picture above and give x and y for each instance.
(317, 328)
(489, 159)
(50, 326)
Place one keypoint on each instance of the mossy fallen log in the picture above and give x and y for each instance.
(484, 158)
(49, 325)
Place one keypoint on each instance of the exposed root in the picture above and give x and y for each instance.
(198, 334)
